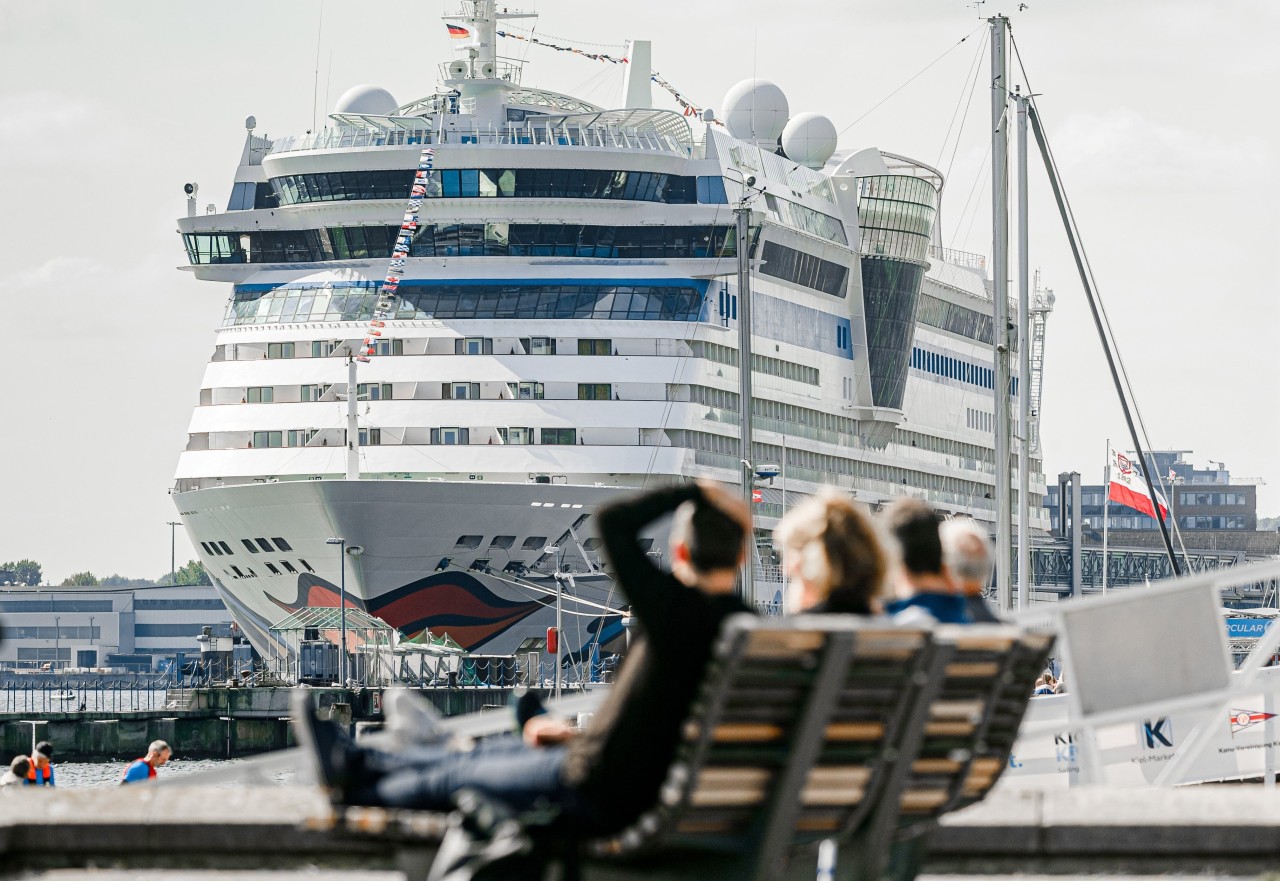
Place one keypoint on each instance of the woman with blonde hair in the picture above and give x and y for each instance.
(833, 556)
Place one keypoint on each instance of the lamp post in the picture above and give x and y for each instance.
(173, 559)
(343, 551)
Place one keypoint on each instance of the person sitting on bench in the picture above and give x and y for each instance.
(833, 558)
(925, 586)
(605, 777)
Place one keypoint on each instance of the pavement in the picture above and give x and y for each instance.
(233, 832)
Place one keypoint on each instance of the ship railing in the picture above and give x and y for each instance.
(528, 133)
(845, 439)
(855, 484)
(966, 259)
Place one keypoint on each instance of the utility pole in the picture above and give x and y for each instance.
(173, 559)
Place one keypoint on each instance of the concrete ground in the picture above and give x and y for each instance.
(234, 833)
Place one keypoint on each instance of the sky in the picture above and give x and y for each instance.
(1157, 111)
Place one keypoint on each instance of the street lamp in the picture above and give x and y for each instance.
(343, 550)
(173, 559)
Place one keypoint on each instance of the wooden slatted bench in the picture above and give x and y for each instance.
(806, 729)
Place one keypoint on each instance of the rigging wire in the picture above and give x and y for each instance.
(969, 87)
(979, 183)
(911, 80)
(1108, 329)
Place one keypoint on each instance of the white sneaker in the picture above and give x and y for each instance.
(411, 718)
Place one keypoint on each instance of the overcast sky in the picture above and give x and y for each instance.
(1159, 113)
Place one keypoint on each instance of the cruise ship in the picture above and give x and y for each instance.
(563, 329)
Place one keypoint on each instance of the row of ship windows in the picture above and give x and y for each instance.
(461, 346)
(493, 239)
(456, 391)
(486, 301)
(957, 369)
(827, 464)
(759, 363)
(509, 183)
(804, 269)
(956, 319)
(445, 436)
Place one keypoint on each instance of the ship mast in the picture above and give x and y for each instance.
(1000, 295)
(742, 213)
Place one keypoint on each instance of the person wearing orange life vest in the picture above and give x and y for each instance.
(143, 769)
(41, 772)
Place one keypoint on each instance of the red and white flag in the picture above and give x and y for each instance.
(1127, 486)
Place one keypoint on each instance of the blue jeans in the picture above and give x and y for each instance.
(504, 769)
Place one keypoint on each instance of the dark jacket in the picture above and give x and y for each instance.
(619, 763)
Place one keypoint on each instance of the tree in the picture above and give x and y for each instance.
(26, 572)
(121, 581)
(192, 573)
(80, 579)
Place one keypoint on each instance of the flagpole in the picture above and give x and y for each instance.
(1106, 519)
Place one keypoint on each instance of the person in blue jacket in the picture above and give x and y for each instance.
(143, 769)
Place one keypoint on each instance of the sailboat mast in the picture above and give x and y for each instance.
(742, 237)
(1000, 295)
(1024, 364)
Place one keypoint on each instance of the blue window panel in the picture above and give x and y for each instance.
(711, 191)
(449, 183)
(470, 182)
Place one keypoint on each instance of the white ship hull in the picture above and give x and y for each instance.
(424, 563)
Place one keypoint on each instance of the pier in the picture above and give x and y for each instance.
(211, 722)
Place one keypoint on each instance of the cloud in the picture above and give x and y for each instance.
(1122, 148)
(43, 128)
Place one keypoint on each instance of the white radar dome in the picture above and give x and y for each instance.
(755, 110)
(809, 139)
(366, 99)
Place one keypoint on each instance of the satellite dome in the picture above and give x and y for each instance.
(809, 139)
(755, 110)
(366, 99)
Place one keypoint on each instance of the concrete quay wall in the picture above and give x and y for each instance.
(211, 722)
(1229, 830)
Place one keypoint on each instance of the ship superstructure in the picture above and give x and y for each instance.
(566, 330)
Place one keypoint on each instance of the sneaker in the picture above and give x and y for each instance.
(411, 718)
(324, 741)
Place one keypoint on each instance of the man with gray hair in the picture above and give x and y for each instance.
(967, 550)
(143, 769)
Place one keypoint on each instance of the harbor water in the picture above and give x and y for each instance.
(96, 775)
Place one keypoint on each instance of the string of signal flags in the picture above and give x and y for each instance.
(687, 106)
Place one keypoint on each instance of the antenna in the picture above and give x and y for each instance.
(315, 85)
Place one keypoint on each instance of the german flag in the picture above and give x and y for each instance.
(458, 32)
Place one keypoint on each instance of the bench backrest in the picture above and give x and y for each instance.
(839, 727)
(792, 738)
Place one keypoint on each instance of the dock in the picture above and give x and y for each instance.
(208, 833)
(212, 722)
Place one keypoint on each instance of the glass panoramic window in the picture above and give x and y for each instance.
(483, 301)
(494, 239)
(561, 436)
(573, 183)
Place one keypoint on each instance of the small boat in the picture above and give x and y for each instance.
(64, 695)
